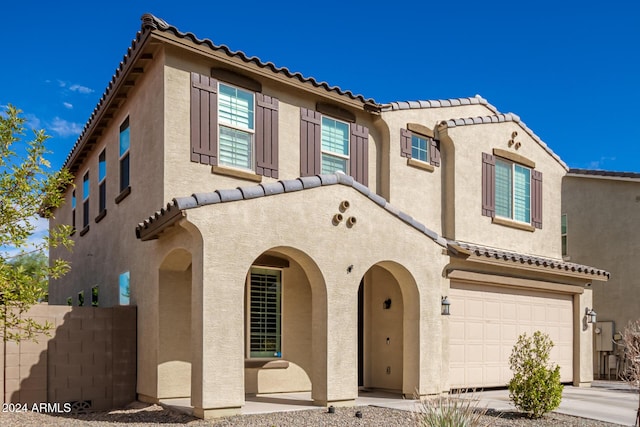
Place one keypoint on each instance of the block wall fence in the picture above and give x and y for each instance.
(88, 359)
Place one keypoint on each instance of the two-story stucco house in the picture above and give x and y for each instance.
(310, 239)
(600, 225)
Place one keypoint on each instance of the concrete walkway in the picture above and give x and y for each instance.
(605, 401)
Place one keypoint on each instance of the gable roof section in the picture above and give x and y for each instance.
(501, 118)
(151, 24)
(439, 103)
(592, 173)
(518, 258)
(151, 228)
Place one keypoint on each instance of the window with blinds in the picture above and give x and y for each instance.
(265, 313)
(513, 191)
(335, 145)
(236, 119)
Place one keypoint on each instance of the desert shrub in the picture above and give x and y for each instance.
(535, 387)
(453, 410)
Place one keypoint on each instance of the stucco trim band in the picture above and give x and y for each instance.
(511, 282)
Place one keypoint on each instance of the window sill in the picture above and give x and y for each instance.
(419, 164)
(512, 224)
(84, 231)
(265, 364)
(236, 173)
(101, 215)
(123, 194)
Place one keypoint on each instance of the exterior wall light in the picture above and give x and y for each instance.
(445, 306)
(591, 315)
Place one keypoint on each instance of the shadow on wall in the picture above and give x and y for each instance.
(87, 363)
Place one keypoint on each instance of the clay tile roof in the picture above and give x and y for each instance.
(485, 251)
(152, 227)
(438, 103)
(602, 173)
(502, 118)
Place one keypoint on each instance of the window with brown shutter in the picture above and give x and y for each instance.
(261, 153)
(346, 146)
(417, 143)
(488, 185)
(536, 198)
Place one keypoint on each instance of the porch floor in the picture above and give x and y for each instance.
(281, 402)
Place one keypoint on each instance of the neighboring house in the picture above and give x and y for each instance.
(600, 225)
(308, 238)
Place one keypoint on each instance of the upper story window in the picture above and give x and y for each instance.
(73, 211)
(511, 190)
(124, 155)
(85, 200)
(102, 185)
(563, 234)
(419, 148)
(331, 141)
(335, 145)
(236, 126)
(418, 145)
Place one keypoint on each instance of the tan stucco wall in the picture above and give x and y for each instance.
(470, 142)
(110, 247)
(603, 231)
(183, 177)
(379, 325)
(324, 252)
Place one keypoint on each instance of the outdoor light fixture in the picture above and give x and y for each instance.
(591, 315)
(445, 306)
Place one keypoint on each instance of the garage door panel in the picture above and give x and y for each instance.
(487, 322)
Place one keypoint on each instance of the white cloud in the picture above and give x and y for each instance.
(33, 122)
(61, 83)
(64, 128)
(600, 163)
(80, 89)
(67, 105)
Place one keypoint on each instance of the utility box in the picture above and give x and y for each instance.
(603, 336)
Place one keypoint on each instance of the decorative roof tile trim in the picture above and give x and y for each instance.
(161, 25)
(438, 103)
(501, 118)
(603, 173)
(500, 254)
(151, 23)
(151, 227)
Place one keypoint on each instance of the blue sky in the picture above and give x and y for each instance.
(569, 69)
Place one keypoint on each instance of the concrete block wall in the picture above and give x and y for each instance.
(89, 359)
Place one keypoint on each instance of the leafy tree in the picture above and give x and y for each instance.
(34, 265)
(535, 387)
(28, 188)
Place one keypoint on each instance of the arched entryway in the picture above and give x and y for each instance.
(388, 329)
(174, 318)
(284, 296)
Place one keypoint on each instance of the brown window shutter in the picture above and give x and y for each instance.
(434, 154)
(359, 153)
(266, 135)
(204, 119)
(310, 142)
(488, 185)
(405, 143)
(536, 198)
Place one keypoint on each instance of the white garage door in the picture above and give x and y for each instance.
(486, 321)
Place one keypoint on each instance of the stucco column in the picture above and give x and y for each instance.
(583, 340)
(217, 376)
(341, 340)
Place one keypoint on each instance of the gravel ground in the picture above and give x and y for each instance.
(140, 414)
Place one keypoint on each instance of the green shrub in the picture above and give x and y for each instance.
(453, 410)
(535, 387)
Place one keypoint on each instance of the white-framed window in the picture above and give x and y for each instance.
(335, 145)
(563, 233)
(236, 126)
(264, 313)
(420, 148)
(513, 191)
